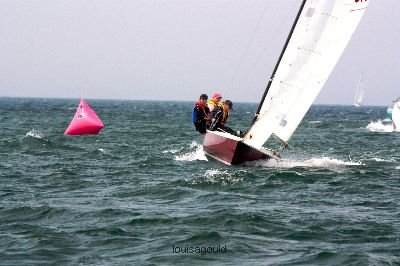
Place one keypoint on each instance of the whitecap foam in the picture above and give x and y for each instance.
(223, 177)
(171, 151)
(103, 151)
(195, 154)
(314, 122)
(324, 162)
(380, 126)
(382, 160)
(35, 134)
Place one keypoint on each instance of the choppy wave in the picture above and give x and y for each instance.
(218, 176)
(34, 133)
(172, 151)
(380, 126)
(196, 153)
(103, 151)
(127, 195)
(34, 138)
(322, 162)
(382, 160)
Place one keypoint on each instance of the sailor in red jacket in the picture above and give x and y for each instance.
(201, 114)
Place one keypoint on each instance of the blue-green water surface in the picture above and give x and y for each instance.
(143, 193)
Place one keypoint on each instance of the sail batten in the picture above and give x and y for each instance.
(279, 60)
(317, 41)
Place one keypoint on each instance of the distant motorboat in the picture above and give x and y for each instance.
(85, 121)
(389, 111)
(358, 98)
(395, 114)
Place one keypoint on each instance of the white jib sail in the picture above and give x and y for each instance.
(358, 99)
(320, 36)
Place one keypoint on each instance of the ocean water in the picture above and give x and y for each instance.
(142, 192)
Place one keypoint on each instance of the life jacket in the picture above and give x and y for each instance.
(201, 105)
(195, 118)
(225, 115)
(213, 103)
(219, 117)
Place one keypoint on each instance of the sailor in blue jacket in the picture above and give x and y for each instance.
(201, 114)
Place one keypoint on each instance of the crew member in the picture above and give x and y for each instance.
(201, 114)
(215, 101)
(219, 118)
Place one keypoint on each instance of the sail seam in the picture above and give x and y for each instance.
(359, 9)
(309, 50)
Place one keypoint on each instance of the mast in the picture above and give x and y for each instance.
(279, 60)
(317, 42)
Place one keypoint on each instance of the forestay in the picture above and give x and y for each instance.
(320, 36)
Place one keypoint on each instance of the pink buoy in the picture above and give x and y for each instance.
(85, 121)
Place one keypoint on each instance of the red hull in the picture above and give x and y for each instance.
(230, 149)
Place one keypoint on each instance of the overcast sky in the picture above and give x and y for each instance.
(178, 49)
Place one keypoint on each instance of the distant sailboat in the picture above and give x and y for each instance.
(395, 115)
(85, 121)
(358, 98)
(319, 35)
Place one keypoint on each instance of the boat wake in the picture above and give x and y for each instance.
(196, 153)
(380, 126)
(383, 160)
(322, 162)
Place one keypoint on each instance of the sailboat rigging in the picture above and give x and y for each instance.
(318, 37)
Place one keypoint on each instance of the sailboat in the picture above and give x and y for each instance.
(318, 37)
(358, 98)
(85, 121)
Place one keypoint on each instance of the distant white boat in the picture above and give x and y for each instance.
(396, 115)
(358, 98)
(389, 110)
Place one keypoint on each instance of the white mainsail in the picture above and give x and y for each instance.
(358, 99)
(322, 31)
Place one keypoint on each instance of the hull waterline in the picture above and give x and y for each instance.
(232, 150)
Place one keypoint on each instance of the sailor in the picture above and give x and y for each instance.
(215, 101)
(201, 114)
(219, 118)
